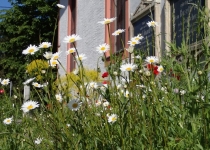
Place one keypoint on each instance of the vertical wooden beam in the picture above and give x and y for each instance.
(157, 13)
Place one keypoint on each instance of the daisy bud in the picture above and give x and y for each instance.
(200, 72)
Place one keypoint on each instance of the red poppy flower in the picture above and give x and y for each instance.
(176, 76)
(155, 71)
(153, 68)
(1, 91)
(104, 82)
(105, 74)
(150, 66)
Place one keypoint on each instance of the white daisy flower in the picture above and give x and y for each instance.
(56, 55)
(5, 82)
(128, 67)
(115, 73)
(130, 49)
(119, 86)
(43, 71)
(160, 68)
(112, 118)
(147, 73)
(98, 103)
(141, 86)
(103, 48)
(138, 57)
(71, 51)
(182, 92)
(45, 84)
(38, 141)
(48, 55)
(53, 62)
(117, 32)
(106, 104)
(59, 97)
(30, 50)
(93, 85)
(29, 105)
(72, 38)
(126, 94)
(152, 59)
(37, 85)
(137, 38)
(107, 20)
(60, 6)
(74, 104)
(152, 24)
(81, 57)
(133, 42)
(8, 120)
(76, 71)
(45, 45)
(28, 81)
(125, 81)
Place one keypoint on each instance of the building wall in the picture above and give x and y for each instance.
(62, 32)
(89, 12)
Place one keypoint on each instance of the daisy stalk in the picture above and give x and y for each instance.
(40, 97)
(68, 76)
(82, 72)
(108, 26)
(53, 38)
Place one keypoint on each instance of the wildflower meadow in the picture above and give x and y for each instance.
(143, 102)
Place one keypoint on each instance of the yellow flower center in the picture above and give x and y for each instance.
(5, 82)
(129, 69)
(137, 38)
(80, 57)
(151, 60)
(54, 62)
(55, 57)
(160, 69)
(71, 40)
(45, 46)
(102, 48)
(8, 121)
(75, 105)
(71, 51)
(107, 21)
(114, 119)
(30, 107)
(36, 84)
(118, 32)
(133, 43)
(31, 50)
(152, 23)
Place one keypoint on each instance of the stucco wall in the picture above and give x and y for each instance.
(89, 12)
(62, 32)
(133, 5)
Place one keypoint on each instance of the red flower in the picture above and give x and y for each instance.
(155, 71)
(104, 82)
(153, 68)
(105, 74)
(1, 91)
(174, 75)
(150, 66)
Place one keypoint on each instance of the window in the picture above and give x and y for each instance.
(118, 9)
(120, 24)
(71, 30)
